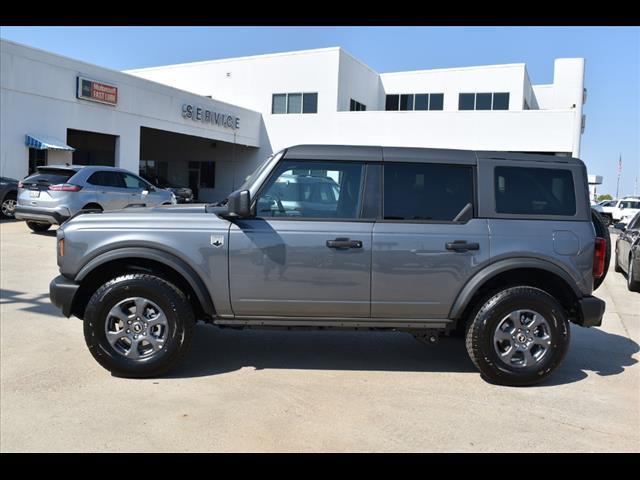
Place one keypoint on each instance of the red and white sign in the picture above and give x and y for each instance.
(97, 91)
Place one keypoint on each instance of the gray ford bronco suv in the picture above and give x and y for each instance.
(499, 247)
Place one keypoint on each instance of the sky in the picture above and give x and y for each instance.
(612, 70)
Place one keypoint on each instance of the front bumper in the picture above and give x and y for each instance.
(62, 291)
(590, 311)
(54, 216)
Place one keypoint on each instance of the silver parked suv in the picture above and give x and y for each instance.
(499, 247)
(57, 192)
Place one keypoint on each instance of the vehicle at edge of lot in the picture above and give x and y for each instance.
(502, 247)
(183, 194)
(613, 211)
(627, 258)
(57, 192)
(8, 196)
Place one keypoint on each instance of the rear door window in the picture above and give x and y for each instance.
(106, 178)
(424, 191)
(49, 176)
(534, 191)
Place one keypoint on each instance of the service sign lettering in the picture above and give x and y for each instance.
(97, 91)
(199, 114)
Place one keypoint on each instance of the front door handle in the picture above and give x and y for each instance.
(344, 243)
(462, 246)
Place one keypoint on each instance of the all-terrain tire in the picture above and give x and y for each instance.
(480, 340)
(175, 306)
(602, 231)
(39, 227)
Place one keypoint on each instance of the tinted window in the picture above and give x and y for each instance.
(501, 101)
(466, 101)
(534, 191)
(635, 222)
(294, 103)
(628, 204)
(50, 176)
(436, 101)
(310, 103)
(279, 103)
(106, 178)
(406, 102)
(313, 190)
(422, 101)
(422, 191)
(483, 101)
(392, 102)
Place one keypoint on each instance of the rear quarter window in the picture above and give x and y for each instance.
(534, 191)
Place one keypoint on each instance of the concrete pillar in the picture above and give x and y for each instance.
(128, 150)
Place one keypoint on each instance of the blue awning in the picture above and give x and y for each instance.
(46, 143)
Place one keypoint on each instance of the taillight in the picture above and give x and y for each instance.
(599, 253)
(65, 187)
(61, 247)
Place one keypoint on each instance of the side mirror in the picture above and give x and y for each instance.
(239, 204)
(620, 226)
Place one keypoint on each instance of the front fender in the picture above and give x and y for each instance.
(165, 258)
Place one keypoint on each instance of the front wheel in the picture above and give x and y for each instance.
(38, 227)
(138, 325)
(518, 337)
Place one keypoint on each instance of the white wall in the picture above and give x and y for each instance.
(452, 81)
(253, 80)
(359, 82)
(530, 130)
(38, 97)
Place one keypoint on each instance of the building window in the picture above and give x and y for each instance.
(406, 102)
(206, 173)
(392, 102)
(501, 101)
(483, 101)
(466, 101)
(415, 101)
(421, 101)
(436, 101)
(294, 103)
(355, 106)
(37, 158)
(279, 103)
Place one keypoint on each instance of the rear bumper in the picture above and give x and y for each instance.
(591, 311)
(62, 291)
(54, 216)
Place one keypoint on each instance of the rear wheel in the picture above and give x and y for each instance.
(602, 231)
(39, 227)
(8, 207)
(518, 337)
(138, 325)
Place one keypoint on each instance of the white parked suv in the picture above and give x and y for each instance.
(614, 210)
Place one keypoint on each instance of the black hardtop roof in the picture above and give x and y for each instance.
(415, 154)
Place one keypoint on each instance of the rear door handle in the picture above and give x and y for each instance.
(344, 243)
(462, 246)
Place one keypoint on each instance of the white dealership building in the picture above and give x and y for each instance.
(208, 124)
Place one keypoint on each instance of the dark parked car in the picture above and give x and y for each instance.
(183, 194)
(8, 196)
(628, 252)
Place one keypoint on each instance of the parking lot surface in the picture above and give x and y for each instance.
(291, 391)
